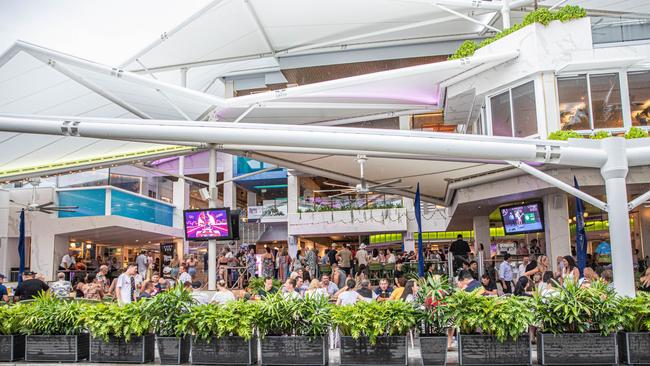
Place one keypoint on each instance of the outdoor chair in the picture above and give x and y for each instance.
(375, 270)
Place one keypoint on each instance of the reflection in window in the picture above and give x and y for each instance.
(606, 101)
(639, 84)
(574, 101)
(89, 178)
(524, 110)
(500, 110)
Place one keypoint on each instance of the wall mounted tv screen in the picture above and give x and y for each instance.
(521, 219)
(206, 224)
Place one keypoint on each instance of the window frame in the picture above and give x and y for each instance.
(488, 107)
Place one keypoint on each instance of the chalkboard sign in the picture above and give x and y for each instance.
(137, 350)
(576, 349)
(224, 351)
(294, 350)
(173, 350)
(12, 348)
(487, 350)
(387, 351)
(634, 348)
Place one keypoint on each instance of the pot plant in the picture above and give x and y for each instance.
(54, 332)
(578, 325)
(12, 342)
(493, 330)
(294, 331)
(119, 333)
(434, 319)
(166, 312)
(223, 334)
(374, 333)
(634, 339)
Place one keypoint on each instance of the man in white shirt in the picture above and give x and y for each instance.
(362, 255)
(184, 276)
(68, 261)
(142, 263)
(505, 274)
(125, 288)
(290, 290)
(328, 285)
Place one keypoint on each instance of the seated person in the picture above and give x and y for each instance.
(467, 282)
(488, 285)
(383, 292)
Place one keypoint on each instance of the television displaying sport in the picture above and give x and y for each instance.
(206, 224)
(522, 219)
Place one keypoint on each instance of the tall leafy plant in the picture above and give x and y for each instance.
(576, 309)
(257, 284)
(48, 315)
(235, 318)
(12, 319)
(111, 320)
(375, 319)
(636, 313)
(435, 315)
(168, 309)
(502, 317)
(303, 317)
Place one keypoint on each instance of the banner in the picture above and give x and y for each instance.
(581, 235)
(418, 218)
(21, 246)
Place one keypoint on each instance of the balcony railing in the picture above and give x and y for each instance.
(365, 202)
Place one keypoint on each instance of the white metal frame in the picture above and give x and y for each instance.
(508, 89)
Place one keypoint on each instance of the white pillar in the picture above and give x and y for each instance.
(505, 13)
(212, 202)
(556, 230)
(293, 191)
(614, 172)
(481, 226)
(229, 188)
(251, 198)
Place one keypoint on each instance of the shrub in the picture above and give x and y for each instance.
(435, 316)
(106, 320)
(466, 49)
(502, 317)
(564, 135)
(635, 133)
(235, 318)
(375, 319)
(574, 309)
(601, 134)
(302, 317)
(636, 313)
(168, 309)
(12, 318)
(256, 284)
(48, 315)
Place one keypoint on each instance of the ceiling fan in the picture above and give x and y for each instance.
(48, 207)
(362, 187)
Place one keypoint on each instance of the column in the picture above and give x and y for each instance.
(293, 191)
(212, 202)
(556, 230)
(481, 226)
(614, 172)
(644, 218)
(251, 198)
(229, 188)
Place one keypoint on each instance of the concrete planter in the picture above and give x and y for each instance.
(12, 348)
(576, 349)
(117, 350)
(56, 348)
(173, 350)
(433, 350)
(224, 351)
(634, 348)
(295, 350)
(487, 350)
(387, 351)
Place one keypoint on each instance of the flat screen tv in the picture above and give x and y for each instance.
(522, 219)
(207, 224)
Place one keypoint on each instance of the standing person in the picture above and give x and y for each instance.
(383, 291)
(534, 247)
(391, 259)
(338, 276)
(297, 263)
(541, 267)
(345, 259)
(175, 266)
(125, 287)
(283, 262)
(223, 295)
(267, 263)
(251, 263)
(4, 294)
(184, 276)
(505, 274)
(332, 255)
(30, 287)
(61, 288)
(311, 260)
(142, 262)
(362, 256)
(460, 250)
(151, 265)
(102, 275)
(347, 295)
(521, 269)
(521, 248)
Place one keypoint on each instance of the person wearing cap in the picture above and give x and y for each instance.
(362, 255)
(30, 287)
(4, 295)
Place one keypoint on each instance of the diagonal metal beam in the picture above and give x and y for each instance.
(245, 113)
(559, 184)
(638, 201)
(256, 19)
(466, 17)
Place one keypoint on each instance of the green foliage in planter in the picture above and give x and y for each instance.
(48, 315)
(11, 319)
(564, 135)
(375, 319)
(579, 310)
(636, 133)
(235, 318)
(601, 134)
(105, 320)
(168, 309)
(302, 317)
(542, 16)
(502, 317)
(257, 284)
(636, 312)
(435, 315)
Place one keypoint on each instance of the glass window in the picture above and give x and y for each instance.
(574, 101)
(89, 178)
(500, 110)
(639, 84)
(606, 100)
(524, 110)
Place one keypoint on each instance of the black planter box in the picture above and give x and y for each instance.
(173, 350)
(295, 350)
(224, 351)
(56, 348)
(634, 348)
(136, 350)
(576, 349)
(487, 350)
(387, 351)
(12, 347)
(433, 350)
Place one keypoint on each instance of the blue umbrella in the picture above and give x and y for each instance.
(21, 246)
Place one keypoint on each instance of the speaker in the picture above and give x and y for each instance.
(205, 194)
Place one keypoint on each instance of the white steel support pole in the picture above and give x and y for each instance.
(212, 203)
(614, 172)
(505, 13)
